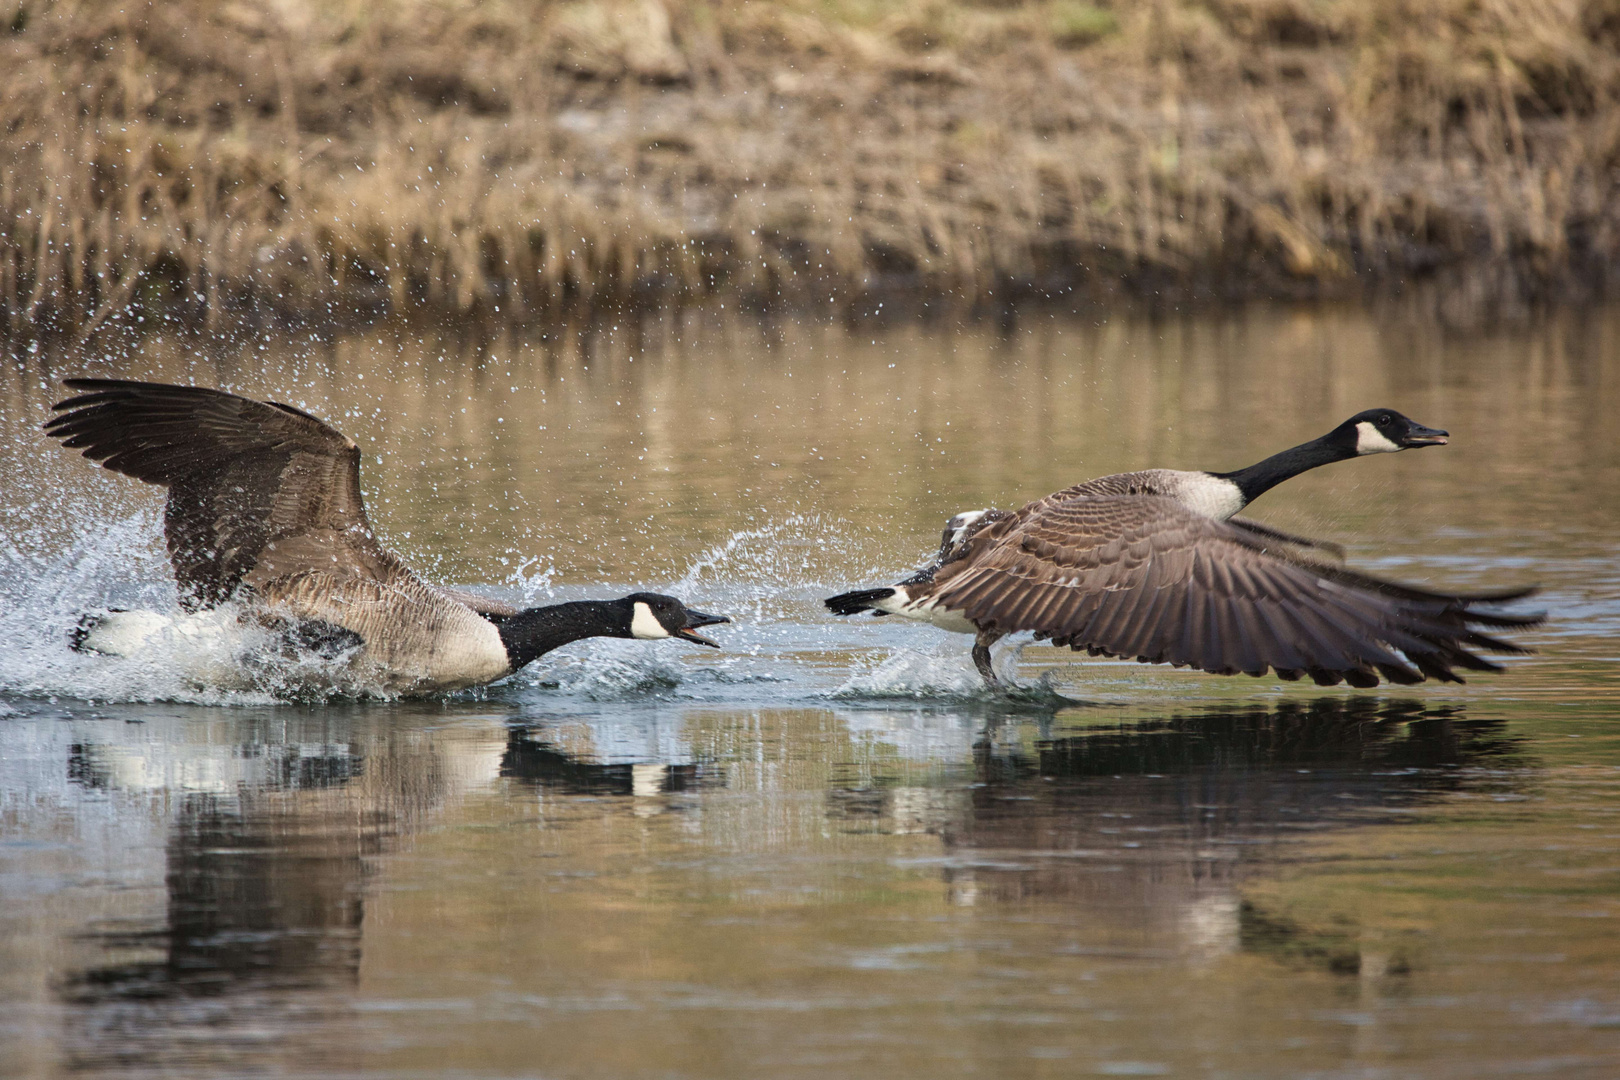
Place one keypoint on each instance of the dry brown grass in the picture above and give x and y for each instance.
(315, 156)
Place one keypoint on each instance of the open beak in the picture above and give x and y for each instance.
(696, 619)
(1426, 436)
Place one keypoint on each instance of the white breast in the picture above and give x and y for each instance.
(447, 651)
(1209, 495)
(468, 655)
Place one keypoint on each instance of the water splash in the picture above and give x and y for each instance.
(781, 648)
(947, 674)
(602, 670)
(213, 658)
(531, 578)
(796, 551)
(45, 587)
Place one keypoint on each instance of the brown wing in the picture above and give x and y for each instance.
(255, 488)
(1142, 577)
(1303, 547)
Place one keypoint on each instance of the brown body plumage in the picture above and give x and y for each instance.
(1122, 567)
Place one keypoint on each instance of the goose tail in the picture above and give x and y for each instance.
(853, 603)
(115, 632)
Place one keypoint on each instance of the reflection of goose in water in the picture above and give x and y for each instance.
(533, 759)
(262, 910)
(1153, 566)
(1159, 822)
(255, 901)
(1142, 831)
(265, 825)
(210, 769)
(265, 506)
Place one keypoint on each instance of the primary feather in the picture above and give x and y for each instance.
(264, 504)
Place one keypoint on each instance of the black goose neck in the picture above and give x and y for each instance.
(1262, 476)
(538, 630)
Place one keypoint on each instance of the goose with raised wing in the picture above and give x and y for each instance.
(264, 510)
(1154, 566)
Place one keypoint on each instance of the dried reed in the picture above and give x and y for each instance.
(188, 158)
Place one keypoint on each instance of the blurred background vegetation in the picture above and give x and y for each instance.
(328, 158)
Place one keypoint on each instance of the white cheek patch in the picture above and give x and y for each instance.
(645, 624)
(1369, 440)
(961, 523)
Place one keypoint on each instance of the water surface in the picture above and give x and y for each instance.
(823, 851)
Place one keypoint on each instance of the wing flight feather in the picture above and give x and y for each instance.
(245, 478)
(1142, 577)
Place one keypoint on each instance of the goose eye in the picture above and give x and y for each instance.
(1382, 420)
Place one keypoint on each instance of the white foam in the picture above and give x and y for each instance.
(946, 671)
(799, 550)
(209, 658)
(605, 669)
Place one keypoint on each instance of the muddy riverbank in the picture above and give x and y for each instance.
(191, 161)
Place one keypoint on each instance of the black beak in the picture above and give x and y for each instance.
(696, 618)
(1418, 435)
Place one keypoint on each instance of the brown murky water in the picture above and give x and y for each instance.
(822, 852)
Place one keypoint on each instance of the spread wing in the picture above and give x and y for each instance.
(1305, 548)
(1142, 577)
(257, 490)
